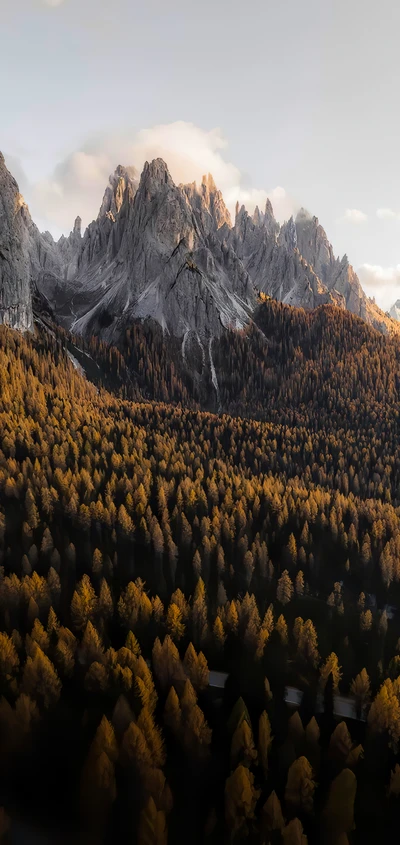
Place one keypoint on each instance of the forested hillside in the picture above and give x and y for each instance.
(144, 544)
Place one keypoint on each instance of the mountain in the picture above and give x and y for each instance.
(170, 254)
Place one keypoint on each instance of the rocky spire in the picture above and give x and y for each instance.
(257, 218)
(288, 234)
(313, 244)
(122, 186)
(268, 208)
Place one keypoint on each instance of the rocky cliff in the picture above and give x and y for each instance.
(15, 271)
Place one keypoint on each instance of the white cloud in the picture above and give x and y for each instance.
(353, 215)
(381, 282)
(52, 3)
(387, 214)
(77, 184)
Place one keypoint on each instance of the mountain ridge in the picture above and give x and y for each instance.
(169, 253)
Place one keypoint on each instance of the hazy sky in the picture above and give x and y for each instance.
(297, 99)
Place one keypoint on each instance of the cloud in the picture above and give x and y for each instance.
(387, 214)
(52, 3)
(77, 184)
(384, 282)
(353, 215)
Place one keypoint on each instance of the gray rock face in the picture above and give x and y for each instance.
(15, 279)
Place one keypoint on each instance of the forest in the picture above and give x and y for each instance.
(146, 541)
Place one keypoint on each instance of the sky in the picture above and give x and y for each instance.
(296, 100)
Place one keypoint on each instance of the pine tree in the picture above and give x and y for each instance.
(153, 737)
(104, 740)
(296, 731)
(219, 634)
(40, 680)
(83, 604)
(300, 786)
(299, 583)
(152, 825)
(281, 629)
(190, 663)
(394, 785)
(134, 749)
(98, 791)
(96, 678)
(284, 590)
(53, 625)
(172, 712)
(338, 814)
(202, 676)
(264, 741)
(240, 799)
(340, 742)
(39, 636)
(175, 625)
(146, 690)
(272, 818)
(232, 618)
(242, 746)
(106, 607)
(360, 688)
(188, 697)
(196, 733)
(331, 667)
(91, 648)
(122, 716)
(307, 645)
(9, 660)
(293, 834)
(384, 713)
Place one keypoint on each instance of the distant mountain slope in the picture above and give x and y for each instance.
(394, 312)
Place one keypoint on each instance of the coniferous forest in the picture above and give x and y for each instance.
(199, 634)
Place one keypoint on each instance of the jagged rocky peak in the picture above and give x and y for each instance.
(155, 174)
(265, 219)
(258, 217)
(288, 234)
(122, 186)
(77, 230)
(269, 211)
(208, 204)
(313, 244)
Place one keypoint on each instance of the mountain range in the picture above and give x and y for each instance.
(171, 254)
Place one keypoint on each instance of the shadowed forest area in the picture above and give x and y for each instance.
(144, 543)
